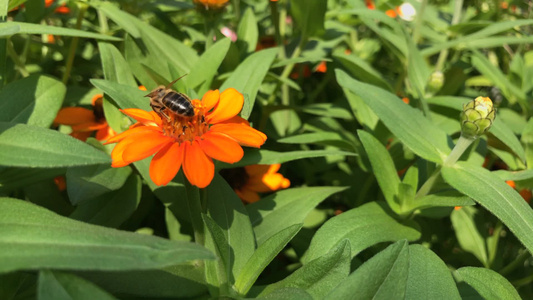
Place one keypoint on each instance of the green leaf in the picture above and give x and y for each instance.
(514, 175)
(468, 234)
(263, 256)
(249, 75)
(496, 196)
(288, 293)
(33, 100)
(363, 226)
(321, 138)
(115, 67)
(63, 286)
(176, 282)
(228, 212)
(92, 181)
(285, 208)
(13, 178)
(384, 276)
(417, 69)
(206, 67)
(124, 96)
(319, 276)
(450, 198)
(32, 238)
(362, 70)
(405, 122)
(383, 168)
(267, 157)
(489, 284)
(429, 277)
(309, 16)
(29, 146)
(506, 136)
(111, 209)
(511, 92)
(247, 32)
(6, 29)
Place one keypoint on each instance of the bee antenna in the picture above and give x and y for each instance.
(172, 83)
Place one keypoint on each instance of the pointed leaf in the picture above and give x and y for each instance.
(496, 196)
(285, 208)
(408, 124)
(319, 276)
(249, 75)
(63, 286)
(124, 96)
(32, 238)
(30, 28)
(263, 256)
(267, 157)
(33, 100)
(384, 276)
(489, 284)
(227, 211)
(29, 146)
(206, 67)
(363, 226)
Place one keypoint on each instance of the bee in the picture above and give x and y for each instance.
(163, 97)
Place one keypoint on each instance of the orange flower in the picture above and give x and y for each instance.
(85, 121)
(321, 68)
(214, 132)
(63, 9)
(261, 179)
(211, 4)
(370, 4)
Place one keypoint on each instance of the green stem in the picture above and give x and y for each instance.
(278, 36)
(419, 21)
(194, 205)
(18, 63)
(82, 8)
(443, 55)
(461, 146)
(519, 261)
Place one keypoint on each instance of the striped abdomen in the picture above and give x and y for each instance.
(178, 103)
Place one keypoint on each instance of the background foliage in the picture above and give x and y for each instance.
(360, 103)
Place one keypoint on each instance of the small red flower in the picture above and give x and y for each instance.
(214, 132)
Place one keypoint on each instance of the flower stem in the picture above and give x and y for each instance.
(194, 206)
(443, 55)
(18, 63)
(419, 20)
(462, 144)
(82, 8)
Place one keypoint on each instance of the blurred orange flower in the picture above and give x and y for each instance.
(214, 132)
(84, 121)
(261, 179)
(62, 9)
(211, 4)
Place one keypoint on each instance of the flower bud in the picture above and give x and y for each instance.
(477, 117)
(436, 81)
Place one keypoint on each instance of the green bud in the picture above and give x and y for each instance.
(477, 117)
(436, 81)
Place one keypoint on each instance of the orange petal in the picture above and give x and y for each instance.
(74, 115)
(236, 120)
(273, 168)
(81, 135)
(116, 155)
(256, 170)
(96, 98)
(229, 105)
(166, 163)
(142, 148)
(89, 126)
(244, 135)
(142, 116)
(221, 147)
(132, 131)
(210, 99)
(247, 195)
(105, 133)
(197, 166)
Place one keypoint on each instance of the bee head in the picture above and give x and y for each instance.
(159, 91)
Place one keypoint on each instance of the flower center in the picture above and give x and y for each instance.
(186, 128)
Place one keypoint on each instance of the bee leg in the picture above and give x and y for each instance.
(159, 111)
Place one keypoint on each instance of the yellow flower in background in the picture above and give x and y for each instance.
(251, 180)
(211, 4)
